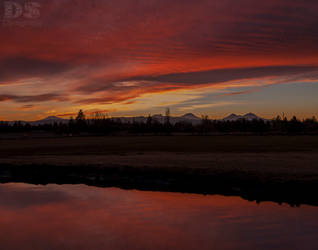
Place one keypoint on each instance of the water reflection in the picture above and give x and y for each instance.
(82, 217)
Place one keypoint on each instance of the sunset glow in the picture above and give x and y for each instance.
(135, 57)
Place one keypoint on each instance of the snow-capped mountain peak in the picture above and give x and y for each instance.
(190, 116)
(50, 120)
(232, 117)
(251, 116)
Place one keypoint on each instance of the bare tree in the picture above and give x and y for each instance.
(167, 117)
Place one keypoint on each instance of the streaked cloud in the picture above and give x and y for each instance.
(34, 98)
(102, 55)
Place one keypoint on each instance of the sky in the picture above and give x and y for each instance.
(138, 57)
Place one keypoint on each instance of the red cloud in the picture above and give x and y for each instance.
(163, 45)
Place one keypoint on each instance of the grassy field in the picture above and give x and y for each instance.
(144, 144)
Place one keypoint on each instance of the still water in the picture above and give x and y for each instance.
(82, 217)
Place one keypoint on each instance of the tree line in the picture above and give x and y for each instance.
(101, 124)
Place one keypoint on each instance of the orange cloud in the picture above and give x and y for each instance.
(97, 52)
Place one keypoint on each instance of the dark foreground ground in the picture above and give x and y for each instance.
(261, 168)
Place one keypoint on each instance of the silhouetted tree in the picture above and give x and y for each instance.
(80, 121)
(100, 123)
(168, 126)
(206, 124)
(167, 117)
(80, 116)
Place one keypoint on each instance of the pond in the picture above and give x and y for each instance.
(85, 217)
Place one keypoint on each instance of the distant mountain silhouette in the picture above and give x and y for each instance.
(248, 116)
(189, 117)
(232, 117)
(251, 116)
(49, 120)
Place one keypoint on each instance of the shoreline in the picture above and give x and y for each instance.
(135, 171)
(269, 168)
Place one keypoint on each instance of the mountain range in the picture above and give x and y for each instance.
(189, 117)
(248, 117)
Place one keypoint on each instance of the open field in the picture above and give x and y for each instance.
(277, 168)
(143, 144)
